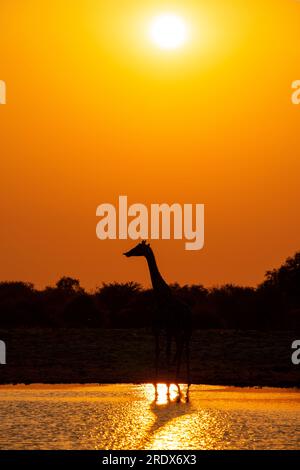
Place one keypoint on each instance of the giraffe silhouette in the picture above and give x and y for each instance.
(172, 317)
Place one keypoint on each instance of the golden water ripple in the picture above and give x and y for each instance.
(135, 417)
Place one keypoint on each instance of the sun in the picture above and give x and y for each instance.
(168, 31)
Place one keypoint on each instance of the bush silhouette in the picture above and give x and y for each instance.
(274, 304)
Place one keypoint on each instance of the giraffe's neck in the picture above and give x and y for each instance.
(158, 282)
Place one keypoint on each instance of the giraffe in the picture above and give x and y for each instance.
(172, 316)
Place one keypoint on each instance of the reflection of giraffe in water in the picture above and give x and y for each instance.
(172, 315)
(168, 404)
(173, 394)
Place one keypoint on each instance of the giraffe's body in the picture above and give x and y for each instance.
(172, 315)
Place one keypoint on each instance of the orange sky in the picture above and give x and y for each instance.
(95, 111)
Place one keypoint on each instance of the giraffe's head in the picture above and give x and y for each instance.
(142, 249)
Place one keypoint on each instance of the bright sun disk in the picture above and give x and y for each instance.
(168, 31)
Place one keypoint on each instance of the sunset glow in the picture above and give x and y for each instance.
(168, 31)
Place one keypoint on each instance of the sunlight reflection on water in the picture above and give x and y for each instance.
(133, 417)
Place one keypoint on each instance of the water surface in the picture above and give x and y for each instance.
(130, 417)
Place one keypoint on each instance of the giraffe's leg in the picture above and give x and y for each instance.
(156, 391)
(179, 355)
(188, 371)
(157, 351)
(187, 396)
(177, 344)
(178, 399)
(174, 360)
(168, 353)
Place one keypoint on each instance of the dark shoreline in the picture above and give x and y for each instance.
(87, 356)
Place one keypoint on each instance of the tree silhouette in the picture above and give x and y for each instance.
(274, 304)
(69, 285)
